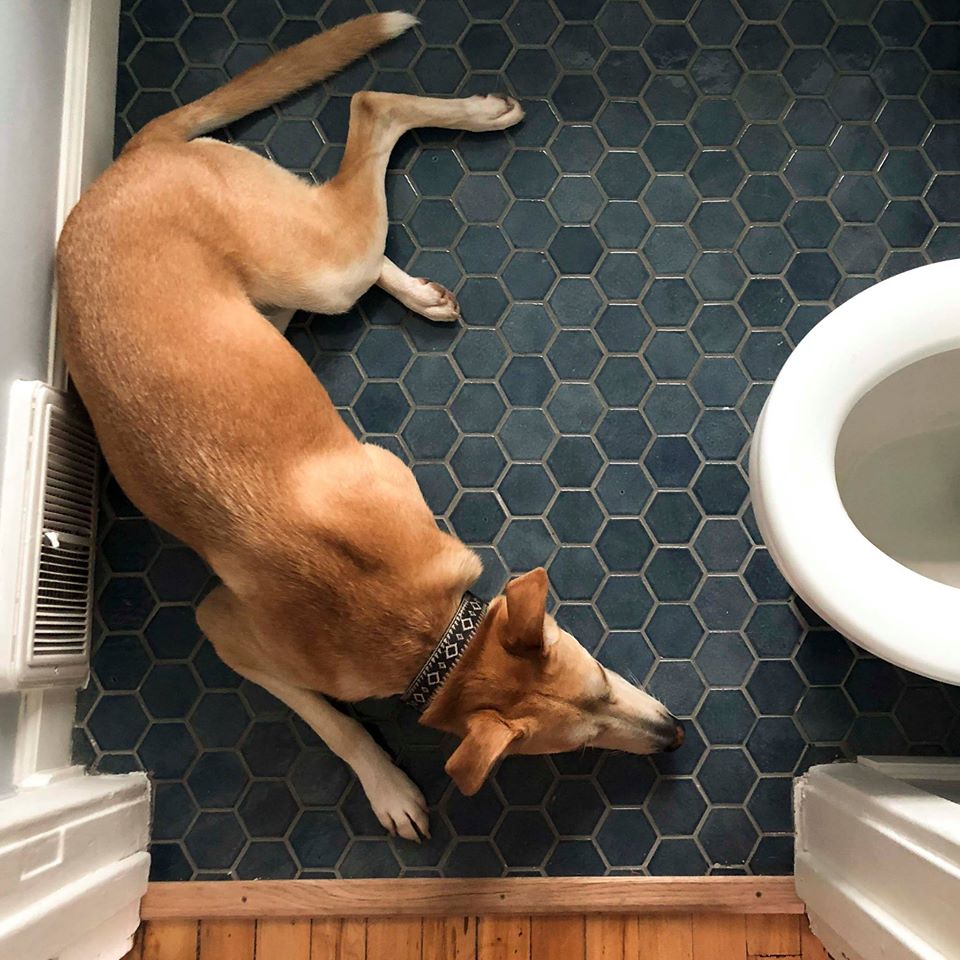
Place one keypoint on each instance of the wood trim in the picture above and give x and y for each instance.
(433, 897)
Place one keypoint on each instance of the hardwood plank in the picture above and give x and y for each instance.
(719, 937)
(555, 937)
(810, 947)
(227, 939)
(449, 938)
(394, 938)
(170, 940)
(773, 935)
(503, 938)
(604, 937)
(286, 938)
(335, 938)
(435, 897)
(659, 937)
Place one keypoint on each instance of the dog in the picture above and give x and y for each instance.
(335, 579)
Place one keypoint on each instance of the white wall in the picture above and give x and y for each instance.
(32, 46)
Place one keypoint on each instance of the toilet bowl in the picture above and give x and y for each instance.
(855, 470)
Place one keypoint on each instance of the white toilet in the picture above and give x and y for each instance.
(855, 470)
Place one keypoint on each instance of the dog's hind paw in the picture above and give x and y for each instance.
(492, 111)
(398, 804)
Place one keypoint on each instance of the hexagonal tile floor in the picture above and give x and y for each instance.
(695, 185)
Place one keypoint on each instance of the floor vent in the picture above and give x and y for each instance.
(48, 511)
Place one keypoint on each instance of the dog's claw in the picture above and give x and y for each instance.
(398, 804)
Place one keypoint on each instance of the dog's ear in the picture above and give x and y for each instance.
(488, 736)
(526, 609)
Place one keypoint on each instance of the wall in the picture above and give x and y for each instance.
(32, 44)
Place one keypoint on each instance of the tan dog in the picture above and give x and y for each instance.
(335, 576)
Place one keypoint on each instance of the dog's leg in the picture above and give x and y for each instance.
(355, 201)
(396, 800)
(429, 299)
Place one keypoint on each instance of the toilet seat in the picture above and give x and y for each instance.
(872, 599)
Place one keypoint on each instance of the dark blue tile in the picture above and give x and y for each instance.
(824, 657)
(627, 653)
(623, 489)
(825, 714)
(473, 858)
(670, 408)
(477, 517)
(810, 72)
(728, 837)
(526, 434)
(669, 302)
(574, 354)
(776, 687)
(676, 857)
(523, 838)
(722, 603)
(524, 780)
(318, 839)
(574, 461)
(477, 407)
(574, 858)
(676, 684)
(669, 198)
(626, 838)
(715, 71)
(575, 807)
(575, 516)
(577, 97)
(675, 807)
(623, 545)
(669, 47)
(167, 750)
(477, 462)
(117, 722)
(716, 22)
(726, 717)
(672, 517)
(623, 602)
(724, 659)
(575, 408)
(526, 544)
(726, 776)
(764, 197)
(671, 461)
(669, 147)
(173, 811)
(720, 435)
(527, 381)
(762, 96)
(775, 745)
(120, 662)
(168, 862)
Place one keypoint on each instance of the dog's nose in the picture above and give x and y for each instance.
(677, 741)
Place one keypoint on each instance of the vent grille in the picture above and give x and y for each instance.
(66, 547)
(47, 539)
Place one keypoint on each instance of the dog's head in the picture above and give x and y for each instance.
(528, 686)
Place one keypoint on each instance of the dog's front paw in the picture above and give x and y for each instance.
(398, 803)
(493, 111)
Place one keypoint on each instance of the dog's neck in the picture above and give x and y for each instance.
(447, 653)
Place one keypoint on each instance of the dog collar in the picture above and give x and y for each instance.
(447, 652)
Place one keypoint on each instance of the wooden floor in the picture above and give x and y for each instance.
(700, 936)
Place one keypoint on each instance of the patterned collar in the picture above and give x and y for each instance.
(447, 652)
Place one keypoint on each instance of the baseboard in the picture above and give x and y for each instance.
(434, 897)
(73, 866)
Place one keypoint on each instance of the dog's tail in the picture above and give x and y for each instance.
(278, 77)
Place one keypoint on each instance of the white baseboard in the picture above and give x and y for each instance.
(878, 858)
(73, 867)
